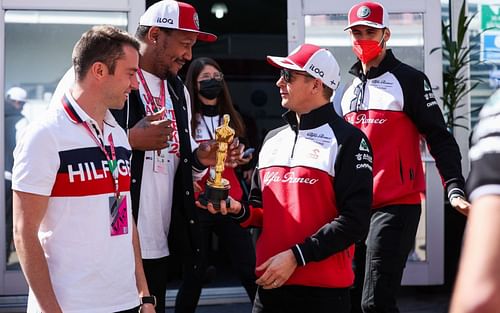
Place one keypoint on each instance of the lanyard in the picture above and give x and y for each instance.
(151, 106)
(112, 162)
(210, 132)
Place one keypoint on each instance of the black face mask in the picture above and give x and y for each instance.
(210, 88)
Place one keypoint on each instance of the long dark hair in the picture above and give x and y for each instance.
(224, 102)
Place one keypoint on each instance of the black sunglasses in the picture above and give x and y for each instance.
(287, 75)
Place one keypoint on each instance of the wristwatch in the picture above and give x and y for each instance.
(148, 299)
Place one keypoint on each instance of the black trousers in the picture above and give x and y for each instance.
(380, 261)
(157, 276)
(302, 299)
(239, 245)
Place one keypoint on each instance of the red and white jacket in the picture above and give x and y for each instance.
(394, 106)
(312, 192)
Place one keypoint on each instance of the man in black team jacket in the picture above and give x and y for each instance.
(165, 158)
(311, 193)
(393, 104)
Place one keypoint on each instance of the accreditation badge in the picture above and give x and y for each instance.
(118, 215)
(160, 161)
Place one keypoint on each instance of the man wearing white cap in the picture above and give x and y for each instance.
(15, 123)
(311, 193)
(394, 105)
(165, 157)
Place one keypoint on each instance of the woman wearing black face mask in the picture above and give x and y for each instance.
(210, 100)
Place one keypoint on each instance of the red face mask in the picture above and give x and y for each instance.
(367, 50)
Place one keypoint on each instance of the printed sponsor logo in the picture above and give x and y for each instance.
(318, 136)
(430, 99)
(196, 21)
(314, 154)
(362, 119)
(164, 20)
(88, 171)
(363, 146)
(290, 178)
(317, 70)
(363, 12)
(364, 157)
(364, 165)
(427, 88)
(382, 82)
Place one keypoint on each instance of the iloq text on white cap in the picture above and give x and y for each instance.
(175, 15)
(316, 61)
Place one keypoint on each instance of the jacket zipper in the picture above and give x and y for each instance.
(296, 130)
(362, 93)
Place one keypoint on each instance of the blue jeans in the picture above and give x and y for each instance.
(301, 299)
(379, 263)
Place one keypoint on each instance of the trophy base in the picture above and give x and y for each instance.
(215, 194)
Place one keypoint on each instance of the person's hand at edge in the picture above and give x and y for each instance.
(460, 204)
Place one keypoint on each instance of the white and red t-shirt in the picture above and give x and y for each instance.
(91, 264)
(155, 202)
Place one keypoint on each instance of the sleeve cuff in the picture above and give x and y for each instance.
(454, 193)
(196, 164)
(243, 215)
(298, 255)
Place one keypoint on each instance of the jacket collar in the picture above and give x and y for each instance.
(315, 118)
(388, 63)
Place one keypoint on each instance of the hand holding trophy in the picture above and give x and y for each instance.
(217, 187)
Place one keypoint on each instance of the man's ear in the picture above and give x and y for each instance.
(387, 34)
(99, 70)
(153, 34)
(318, 86)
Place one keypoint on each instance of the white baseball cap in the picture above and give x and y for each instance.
(175, 15)
(316, 61)
(17, 94)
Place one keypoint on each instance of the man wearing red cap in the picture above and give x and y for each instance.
(394, 105)
(164, 156)
(311, 193)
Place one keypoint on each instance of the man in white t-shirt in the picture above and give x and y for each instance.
(73, 229)
(164, 156)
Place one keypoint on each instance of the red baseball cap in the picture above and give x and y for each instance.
(175, 15)
(368, 13)
(316, 61)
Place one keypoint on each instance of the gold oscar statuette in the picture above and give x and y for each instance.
(217, 187)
